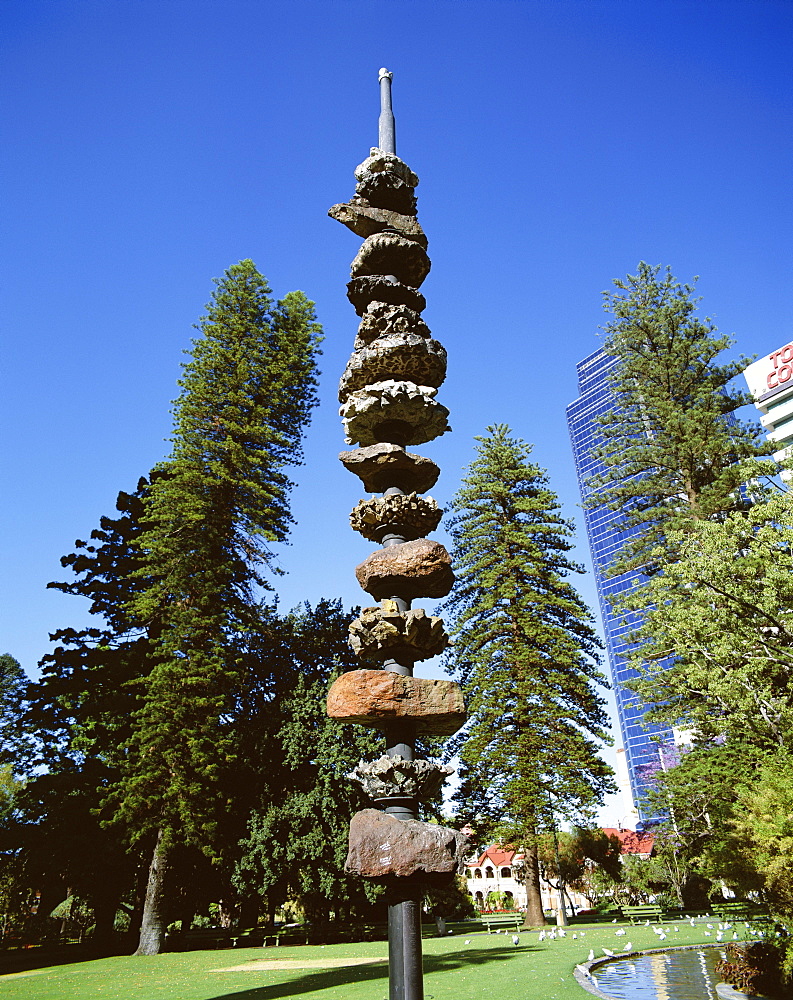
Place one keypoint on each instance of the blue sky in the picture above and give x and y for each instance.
(148, 146)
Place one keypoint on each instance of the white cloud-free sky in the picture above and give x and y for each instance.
(149, 145)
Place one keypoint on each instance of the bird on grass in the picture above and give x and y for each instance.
(620, 932)
(609, 952)
(591, 956)
(628, 947)
(515, 940)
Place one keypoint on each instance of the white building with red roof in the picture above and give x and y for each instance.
(494, 872)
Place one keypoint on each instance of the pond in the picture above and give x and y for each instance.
(671, 975)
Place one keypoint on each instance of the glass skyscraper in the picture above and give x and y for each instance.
(647, 748)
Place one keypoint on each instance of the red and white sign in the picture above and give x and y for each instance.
(775, 371)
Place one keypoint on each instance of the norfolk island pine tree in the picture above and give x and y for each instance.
(247, 393)
(525, 653)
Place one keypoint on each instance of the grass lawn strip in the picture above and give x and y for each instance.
(456, 968)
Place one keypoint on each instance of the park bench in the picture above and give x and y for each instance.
(251, 937)
(739, 910)
(297, 934)
(198, 939)
(502, 921)
(645, 911)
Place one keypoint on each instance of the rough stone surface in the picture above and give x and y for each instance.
(392, 776)
(378, 288)
(399, 412)
(396, 357)
(390, 253)
(365, 221)
(375, 698)
(382, 319)
(380, 162)
(382, 847)
(405, 514)
(412, 569)
(385, 633)
(382, 465)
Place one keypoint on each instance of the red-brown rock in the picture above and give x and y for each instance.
(376, 698)
(382, 847)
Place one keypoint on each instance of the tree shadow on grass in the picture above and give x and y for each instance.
(326, 979)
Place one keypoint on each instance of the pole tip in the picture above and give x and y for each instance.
(384, 74)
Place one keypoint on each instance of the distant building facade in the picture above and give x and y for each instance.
(496, 872)
(647, 748)
(770, 381)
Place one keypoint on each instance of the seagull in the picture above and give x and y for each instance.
(515, 940)
(468, 941)
(646, 923)
(676, 930)
(575, 937)
(662, 936)
(628, 947)
(562, 932)
(692, 921)
(591, 956)
(709, 926)
(620, 932)
(609, 952)
(707, 933)
(614, 920)
(542, 936)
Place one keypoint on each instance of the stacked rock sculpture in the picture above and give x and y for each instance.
(387, 394)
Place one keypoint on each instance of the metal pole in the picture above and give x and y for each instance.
(387, 126)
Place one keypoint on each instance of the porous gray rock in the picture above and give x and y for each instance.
(377, 698)
(381, 162)
(365, 221)
(385, 181)
(422, 568)
(385, 633)
(405, 514)
(382, 465)
(381, 288)
(382, 319)
(400, 412)
(384, 848)
(388, 777)
(390, 253)
(395, 357)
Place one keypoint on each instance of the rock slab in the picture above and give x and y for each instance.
(376, 698)
(421, 568)
(382, 465)
(383, 847)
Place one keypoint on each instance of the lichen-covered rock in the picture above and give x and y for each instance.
(386, 633)
(380, 162)
(390, 253)
(383, 847)
(382, 465)
(382, 319)
(396, 357)
(364, 221)
(381, 288)
(377, 698)
(405, 514)
(396, 411)
(385, 181)
(388, 777)
(422, 568)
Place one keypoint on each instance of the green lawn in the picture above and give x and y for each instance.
(456, 968)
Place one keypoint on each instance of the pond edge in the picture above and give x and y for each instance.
(583, 971)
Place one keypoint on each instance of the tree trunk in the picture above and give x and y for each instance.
(534, 915)
(154, 922)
